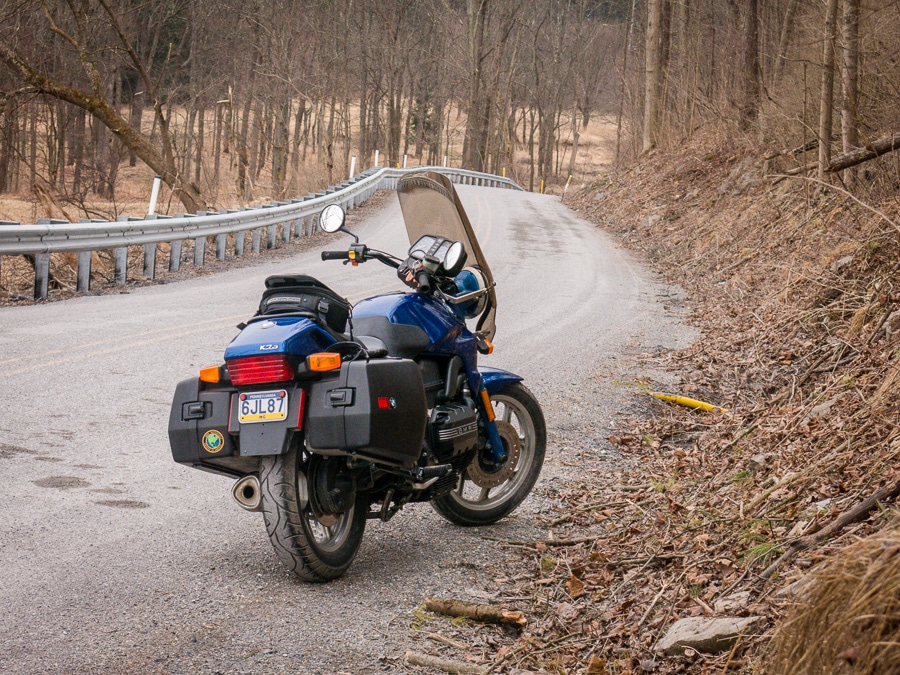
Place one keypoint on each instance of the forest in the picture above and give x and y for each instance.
(233, 101)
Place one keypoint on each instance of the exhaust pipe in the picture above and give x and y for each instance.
(247, 494)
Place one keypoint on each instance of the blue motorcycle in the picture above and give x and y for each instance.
(329, 415)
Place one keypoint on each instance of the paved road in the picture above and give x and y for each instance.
(114, 559)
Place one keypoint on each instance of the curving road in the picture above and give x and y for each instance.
(114, 559)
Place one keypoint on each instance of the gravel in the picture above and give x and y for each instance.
(116, 560)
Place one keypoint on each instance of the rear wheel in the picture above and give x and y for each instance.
(316, 548)
(480, 500)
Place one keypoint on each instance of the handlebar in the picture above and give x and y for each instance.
(335, 255)
(424, 281)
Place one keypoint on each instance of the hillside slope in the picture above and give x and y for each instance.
(796, 288)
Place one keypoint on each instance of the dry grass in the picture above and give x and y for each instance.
(847, 619)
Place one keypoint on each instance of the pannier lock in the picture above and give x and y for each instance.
(195, 410)
(341, 397)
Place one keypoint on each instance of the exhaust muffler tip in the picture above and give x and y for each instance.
(247, 494)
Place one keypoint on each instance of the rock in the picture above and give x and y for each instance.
(821, 410)
(841, 263)
(892, 324)
(759, 462)
(732, 603)
(650, 221)
(706, 635)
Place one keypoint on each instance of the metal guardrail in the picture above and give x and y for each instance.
(296, 218)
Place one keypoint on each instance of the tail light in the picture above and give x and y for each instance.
(260, 369)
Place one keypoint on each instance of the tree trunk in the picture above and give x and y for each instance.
(787, 28)
(198, 162)
(62, 116)
(137, 114)
(77, 152)
(280, 147)
(243, 160)
(652, 76)
(827, 98)
(217, 145)
(473, 150)
(7, 143)
(751, 93)
(850, 76)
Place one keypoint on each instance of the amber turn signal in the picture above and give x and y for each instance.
(323, 362)
(488, 408)
(209, 374)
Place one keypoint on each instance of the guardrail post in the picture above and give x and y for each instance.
(254, 240)
(239, 238)
(121, 265)
(221, 243)
(83, 273)
(286, 232)
(199, 243)
(271, 234)
(150, 256)
(175, 255)
(199, 251)
(41, 275)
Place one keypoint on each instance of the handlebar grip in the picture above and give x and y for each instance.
(423, 281)
(335, 255)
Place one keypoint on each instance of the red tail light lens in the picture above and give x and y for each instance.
(260, 369)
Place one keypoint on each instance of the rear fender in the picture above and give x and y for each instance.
(495, 379)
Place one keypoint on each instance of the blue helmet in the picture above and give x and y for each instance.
(468, 281)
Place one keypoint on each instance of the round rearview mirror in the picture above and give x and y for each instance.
(332, 218)
(455, 258)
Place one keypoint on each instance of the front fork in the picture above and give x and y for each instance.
(494, 443)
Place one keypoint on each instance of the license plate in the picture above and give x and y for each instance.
(262, 406)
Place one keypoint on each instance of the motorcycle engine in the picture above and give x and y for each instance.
(453, 428)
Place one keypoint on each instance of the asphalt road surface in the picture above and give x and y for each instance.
(113, 559)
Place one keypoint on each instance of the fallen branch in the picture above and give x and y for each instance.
(857, 513)
(468, 610)
(447, 665)
(876, 148)
(631, 562)
(437, 637)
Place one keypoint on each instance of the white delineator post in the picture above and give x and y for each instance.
(404, 161)
(352, 166)
(154, 195)
(445, 160)
(376, 159)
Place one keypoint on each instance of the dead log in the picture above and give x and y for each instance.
(882, 146)
(447, 665)
(468, 610)
(854, 515)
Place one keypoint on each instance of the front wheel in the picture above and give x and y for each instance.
(478, 500)
(315, 548)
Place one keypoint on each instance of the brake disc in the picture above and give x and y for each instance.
(485, 478)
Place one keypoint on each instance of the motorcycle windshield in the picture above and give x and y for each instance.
(430, 205)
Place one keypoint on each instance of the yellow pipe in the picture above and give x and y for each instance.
(688, 402)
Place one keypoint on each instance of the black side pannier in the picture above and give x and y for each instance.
(375, 409)
(299, 293)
